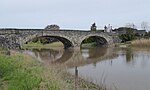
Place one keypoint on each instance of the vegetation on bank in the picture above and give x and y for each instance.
(89, 42)
(20, 72)
(54, 44)
(2, 49)
(130, 38)
(135, 43)
(141, 43)
(129, 35)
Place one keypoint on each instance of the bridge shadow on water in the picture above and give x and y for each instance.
(106, 61)
(72, 57)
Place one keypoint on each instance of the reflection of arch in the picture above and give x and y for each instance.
(101, 55)
(47, 55)
(53, 56)
(67, 54)
(66, 42)
(100, 40)
(94, 53)
(72, 58)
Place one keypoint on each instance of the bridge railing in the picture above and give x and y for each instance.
(18, 31)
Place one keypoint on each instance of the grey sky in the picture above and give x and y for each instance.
(77, 14)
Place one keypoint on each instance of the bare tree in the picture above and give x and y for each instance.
(145, 25)
(131, 25)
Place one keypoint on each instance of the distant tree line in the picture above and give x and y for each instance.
(89, 40)
(131, 34)
(128, 36)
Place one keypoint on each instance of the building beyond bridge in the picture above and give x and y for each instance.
(15, 38)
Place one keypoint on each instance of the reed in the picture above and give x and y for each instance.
(141, 43)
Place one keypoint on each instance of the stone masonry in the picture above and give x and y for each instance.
(15, 38)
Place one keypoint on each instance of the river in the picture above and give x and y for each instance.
(117, 68)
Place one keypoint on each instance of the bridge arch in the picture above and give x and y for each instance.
(71, 41)
(65, 40)
(99, 39)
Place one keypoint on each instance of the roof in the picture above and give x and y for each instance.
(141, 31)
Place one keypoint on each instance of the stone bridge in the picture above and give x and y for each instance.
(15, 38)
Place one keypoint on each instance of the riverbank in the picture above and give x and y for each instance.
(88, 45)
(22, 72)
(141, 43)
(40, 45)
(135, 43)
(54, 45)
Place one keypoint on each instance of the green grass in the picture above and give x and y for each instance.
(18, 72)
(89, 44)
(22, 72)
(55, 44)
(2, 49)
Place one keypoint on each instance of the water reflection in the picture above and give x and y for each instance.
(129, 55)
(93, 53)
(133, 54)
(51, 55)
(126, 68)
(71, 57)
(129, 70)
(90, 56)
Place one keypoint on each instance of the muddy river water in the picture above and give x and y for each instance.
(121, 68)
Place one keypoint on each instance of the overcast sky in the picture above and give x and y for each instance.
(76, 14)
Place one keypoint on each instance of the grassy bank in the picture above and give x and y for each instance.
(88, 44)
(141, 43)
(40, 45)
(54, 44)
(135, 43)
(2, 49)
(19, 72)
(22, 72)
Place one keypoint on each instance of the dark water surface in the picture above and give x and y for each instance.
(121, 68)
